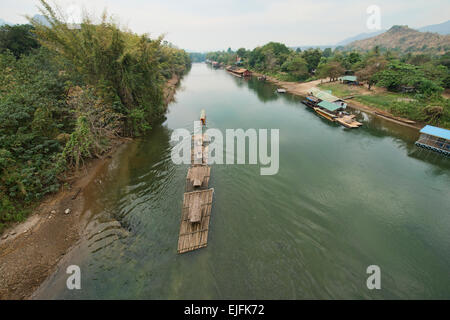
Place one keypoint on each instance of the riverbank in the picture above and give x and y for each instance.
(302, 89)
(30, 251)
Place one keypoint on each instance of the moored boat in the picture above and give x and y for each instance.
(311, 101)
(325, 114)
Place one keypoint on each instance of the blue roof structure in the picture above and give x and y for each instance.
(435, 131)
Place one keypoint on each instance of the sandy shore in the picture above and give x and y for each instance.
(30, 251)
(304, 88)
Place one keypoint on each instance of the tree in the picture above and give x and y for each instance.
(241, 52)
(398, 74)
(312, 57)
(296, 66)
(354, 57)
(372, 66)
(18, 39)
(327, 53)
(332, 69)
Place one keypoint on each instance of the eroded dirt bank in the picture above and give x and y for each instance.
(29, 251)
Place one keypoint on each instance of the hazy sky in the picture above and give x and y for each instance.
(201, 25)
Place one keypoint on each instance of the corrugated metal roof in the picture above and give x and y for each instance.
(329, 105)
(324, 95)
(348, 78)
(437, 132)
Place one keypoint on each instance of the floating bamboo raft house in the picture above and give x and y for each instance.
(331, 108)
(435, 139)
(197, 200)
(239, 72)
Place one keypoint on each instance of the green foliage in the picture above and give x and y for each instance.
(18, 39)
(129, 69)
(327, 53)
(197, 56)
(32, 96)
(332, 69)
(63, 102)
(296, 66)
(312, 57)
(436, 113)
(398, 74)
(225, 57)
(79, 144)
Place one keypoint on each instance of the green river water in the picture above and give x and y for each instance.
(341, 201)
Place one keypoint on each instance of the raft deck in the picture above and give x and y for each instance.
(197, 207)
(348, 121)
(197, 200)
(199, 154)
(197, 177)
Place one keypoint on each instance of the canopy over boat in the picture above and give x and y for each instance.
(325, 96)
(436, 131)
(330, 106)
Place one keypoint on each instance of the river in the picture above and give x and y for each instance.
(341, 201)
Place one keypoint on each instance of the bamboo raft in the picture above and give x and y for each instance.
(197, 200)
(348, 121)
(196, 208)
(197, 177)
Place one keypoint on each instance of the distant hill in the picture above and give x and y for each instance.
(360, 36)
(322, 47)
(441, 28)
(406, 40)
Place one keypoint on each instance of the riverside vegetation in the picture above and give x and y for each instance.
(428, 75)
(66, 92)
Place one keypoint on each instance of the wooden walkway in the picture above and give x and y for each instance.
(197, 200)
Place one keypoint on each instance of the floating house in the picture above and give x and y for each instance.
(239, 72)
(435, 139)
(328, 110)
(353, 80)
(325, 96)
(331, 108)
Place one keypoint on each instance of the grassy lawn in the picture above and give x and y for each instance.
(338, 89)
(383, 100)
(379, 100)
